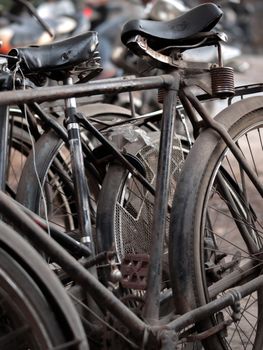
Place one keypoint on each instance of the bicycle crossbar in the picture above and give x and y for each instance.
(79, 90)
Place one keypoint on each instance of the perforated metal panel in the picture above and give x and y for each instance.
(134, 209)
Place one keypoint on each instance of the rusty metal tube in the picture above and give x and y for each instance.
(152, 301)
(92, 88)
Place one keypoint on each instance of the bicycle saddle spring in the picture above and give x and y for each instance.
(222, 81)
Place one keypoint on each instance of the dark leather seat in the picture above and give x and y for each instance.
(57, 58)
(178, 31)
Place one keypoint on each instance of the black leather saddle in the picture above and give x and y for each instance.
(180, 31)
(58, 58)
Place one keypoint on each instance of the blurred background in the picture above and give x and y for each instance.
(242, 22)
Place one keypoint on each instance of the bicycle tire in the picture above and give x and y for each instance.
(18, 150)
(202, 217)
(48, 149)
(29, 192)
(36, 312)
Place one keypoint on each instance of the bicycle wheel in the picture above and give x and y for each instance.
(53, 166)
(51, 169)
(216, 227)
(35, 311)
(125, 213)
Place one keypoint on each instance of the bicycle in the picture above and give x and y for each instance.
(173, 84)
(36, 311)
(21, 126)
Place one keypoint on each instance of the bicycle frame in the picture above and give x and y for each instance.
(144, 334)
(150, 332)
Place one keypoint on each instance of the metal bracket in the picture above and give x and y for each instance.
(236, 307)
(143, 44)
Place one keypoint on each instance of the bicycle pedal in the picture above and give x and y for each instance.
(134, 269)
